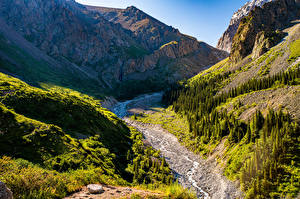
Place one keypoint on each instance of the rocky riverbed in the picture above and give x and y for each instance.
(191, 170)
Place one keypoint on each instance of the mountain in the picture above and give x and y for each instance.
(149, 31)
(245, 110)
(225, 41)
(112, 49)
(262, 29)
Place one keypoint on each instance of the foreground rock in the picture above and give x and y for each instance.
(95, 189)
(5, 193)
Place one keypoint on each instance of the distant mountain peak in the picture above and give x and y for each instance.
(114, 46)
(132, 8)
(245, 10)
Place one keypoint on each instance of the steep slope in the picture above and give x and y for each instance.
(261, 30)
(149, 31)
(170, 53)
(225, 41)
(112, 52)
(22, 59)
(60, 142)
(246, 112)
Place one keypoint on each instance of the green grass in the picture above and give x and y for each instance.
(37, 72)
(27, 180)
(269, 58)
(218, 68)
(176, 191)
(136, 52)
(295, 50)
(168, 44)
(60, 140)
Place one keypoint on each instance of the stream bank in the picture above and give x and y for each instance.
(192, 171)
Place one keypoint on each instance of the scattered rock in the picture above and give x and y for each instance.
(128, 189)
(5, 193)
(95, 189)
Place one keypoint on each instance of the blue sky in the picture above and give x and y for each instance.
(204, 19)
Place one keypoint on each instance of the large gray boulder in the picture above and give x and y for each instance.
(95, 188)
(5, 193)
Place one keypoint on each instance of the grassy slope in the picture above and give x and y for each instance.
(282, 57)
(52, 143)
(40, 73)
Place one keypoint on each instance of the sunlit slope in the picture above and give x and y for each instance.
(59, 142)
(246, 115)
(281, 58)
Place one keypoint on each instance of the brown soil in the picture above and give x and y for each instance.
(111, 192)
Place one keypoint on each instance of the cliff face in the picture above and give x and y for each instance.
(166, 46)
(61, 27)
(113, 45)
(147, 30)
(225, 41)
(261, 29)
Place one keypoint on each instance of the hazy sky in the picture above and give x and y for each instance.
(204, 19)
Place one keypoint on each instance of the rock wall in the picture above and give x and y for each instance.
(225, 41)
(263, 24)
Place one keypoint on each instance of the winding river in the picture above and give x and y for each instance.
(191, 171)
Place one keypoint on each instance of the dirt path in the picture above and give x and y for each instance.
(111, 192)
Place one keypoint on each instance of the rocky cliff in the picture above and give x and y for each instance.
(225, 41)
(262, 28)
(149, 31)
(117, 46)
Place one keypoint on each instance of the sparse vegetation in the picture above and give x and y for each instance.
(37, 72)
(270, 57)
(295, 50)
(167, 44)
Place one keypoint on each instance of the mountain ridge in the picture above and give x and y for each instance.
(114, 55)
(225, 41)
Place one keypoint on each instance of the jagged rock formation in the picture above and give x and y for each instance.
(225, 41)
(261, 29)
(114, 46)
(148, 30)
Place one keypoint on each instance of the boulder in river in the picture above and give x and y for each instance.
(95, 188)
(5, 193)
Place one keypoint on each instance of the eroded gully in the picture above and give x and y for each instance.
(191, 170)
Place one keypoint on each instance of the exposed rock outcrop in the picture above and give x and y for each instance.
(225, 41)
(260, 30)
(264, 41)
(113, 45)
(5, 193)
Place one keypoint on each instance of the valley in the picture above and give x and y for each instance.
(114, 99)
(189, 169)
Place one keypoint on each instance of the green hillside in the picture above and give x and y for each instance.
(53, 143)
(245, 114)
(41, 72)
